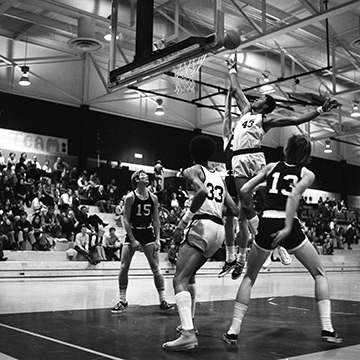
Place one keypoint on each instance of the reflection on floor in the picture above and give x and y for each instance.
(70, 319)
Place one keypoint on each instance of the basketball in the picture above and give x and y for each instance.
(231, 40)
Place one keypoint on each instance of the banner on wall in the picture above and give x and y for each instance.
(34, 143)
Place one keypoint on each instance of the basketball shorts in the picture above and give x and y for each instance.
(268, 226)
(143, 236)
(247, 165)
(205, 235)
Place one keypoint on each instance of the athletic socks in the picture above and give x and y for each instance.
(183, 302)
(324, 307)
(242, 255)
(230, 253)
(239, 313)
(192, 290)
(123, 295)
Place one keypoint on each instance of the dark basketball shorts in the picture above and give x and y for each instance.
(143, 236)
(268, 226)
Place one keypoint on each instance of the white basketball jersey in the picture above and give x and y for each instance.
(248, 132)
(214, 201)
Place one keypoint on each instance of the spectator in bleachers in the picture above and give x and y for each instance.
(7, 233)
(9, 173)
(328, 248)
(37, 205)
(47, 192)
(99, 197)
(172, 253)
(91, 222)
(40, 243)
(111, 185)
(51, 223)
(60, 168)
(67, 221)
(94, 183)
(112, 246)
(2, 257)
(119, 213)
(8, 208)
(35, 161)
(73, 177)
(11, 159)
(2, 161)
(182, 196)
(20, 190)
(110, 197)
(83, 184)
(81, 245)
(46, 170)
(24, 232)
(174, 203)
(350, 235)
(97, 242)
(66, 199)
(33, 173)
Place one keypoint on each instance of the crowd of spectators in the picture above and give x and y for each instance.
(40, 204)
(329, 224)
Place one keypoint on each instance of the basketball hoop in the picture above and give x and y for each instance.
(185, 73)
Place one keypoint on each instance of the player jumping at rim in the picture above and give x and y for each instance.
(248, 159)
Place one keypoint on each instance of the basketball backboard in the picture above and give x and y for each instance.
(157, 53)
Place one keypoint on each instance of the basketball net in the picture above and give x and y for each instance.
(185, 73)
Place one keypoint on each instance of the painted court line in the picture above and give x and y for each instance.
(62, 342)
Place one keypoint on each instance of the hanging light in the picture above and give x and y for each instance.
(24, 80)
(265, 76)
(107, 36)
(355, 112)
(159, 108)
(267, 89)
(327, 149)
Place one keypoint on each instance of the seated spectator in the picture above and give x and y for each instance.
(2, 160)
(83, 184)
(2, 257)
(7, 233)
(111, 185)
(18, 209)
(60, 169)
(33, 173)
(328, 247)
(46, 170)
(96, 247)
(35, 161)
(21, 167)
(119, 213)
(99, 197)
(51, 223)
(94, 183)
(67, 222)
(39, 235)
(6, 189)
(112, 246)
(350, 235)
(47, 192)
(91, 222)
(81, 245)
(172, 254)
(37, 205)
(24, 232)
(110, 201)
(11, 159)
(20, 190)
(8, 209)
(174, 203)
(73, 177)
(66, 200)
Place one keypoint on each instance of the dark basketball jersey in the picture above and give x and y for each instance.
(142, 211)
(279, 184)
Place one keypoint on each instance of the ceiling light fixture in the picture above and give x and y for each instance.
(266, 89)
(24, 80)
(327, 149)
(355, 112)
(159, 108)
(107, 36)
(265, 76)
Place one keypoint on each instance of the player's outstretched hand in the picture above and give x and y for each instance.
(231, 62)
(330, 105)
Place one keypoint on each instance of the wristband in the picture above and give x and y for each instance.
(320, 110)
(188, 216)
(232, 71)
